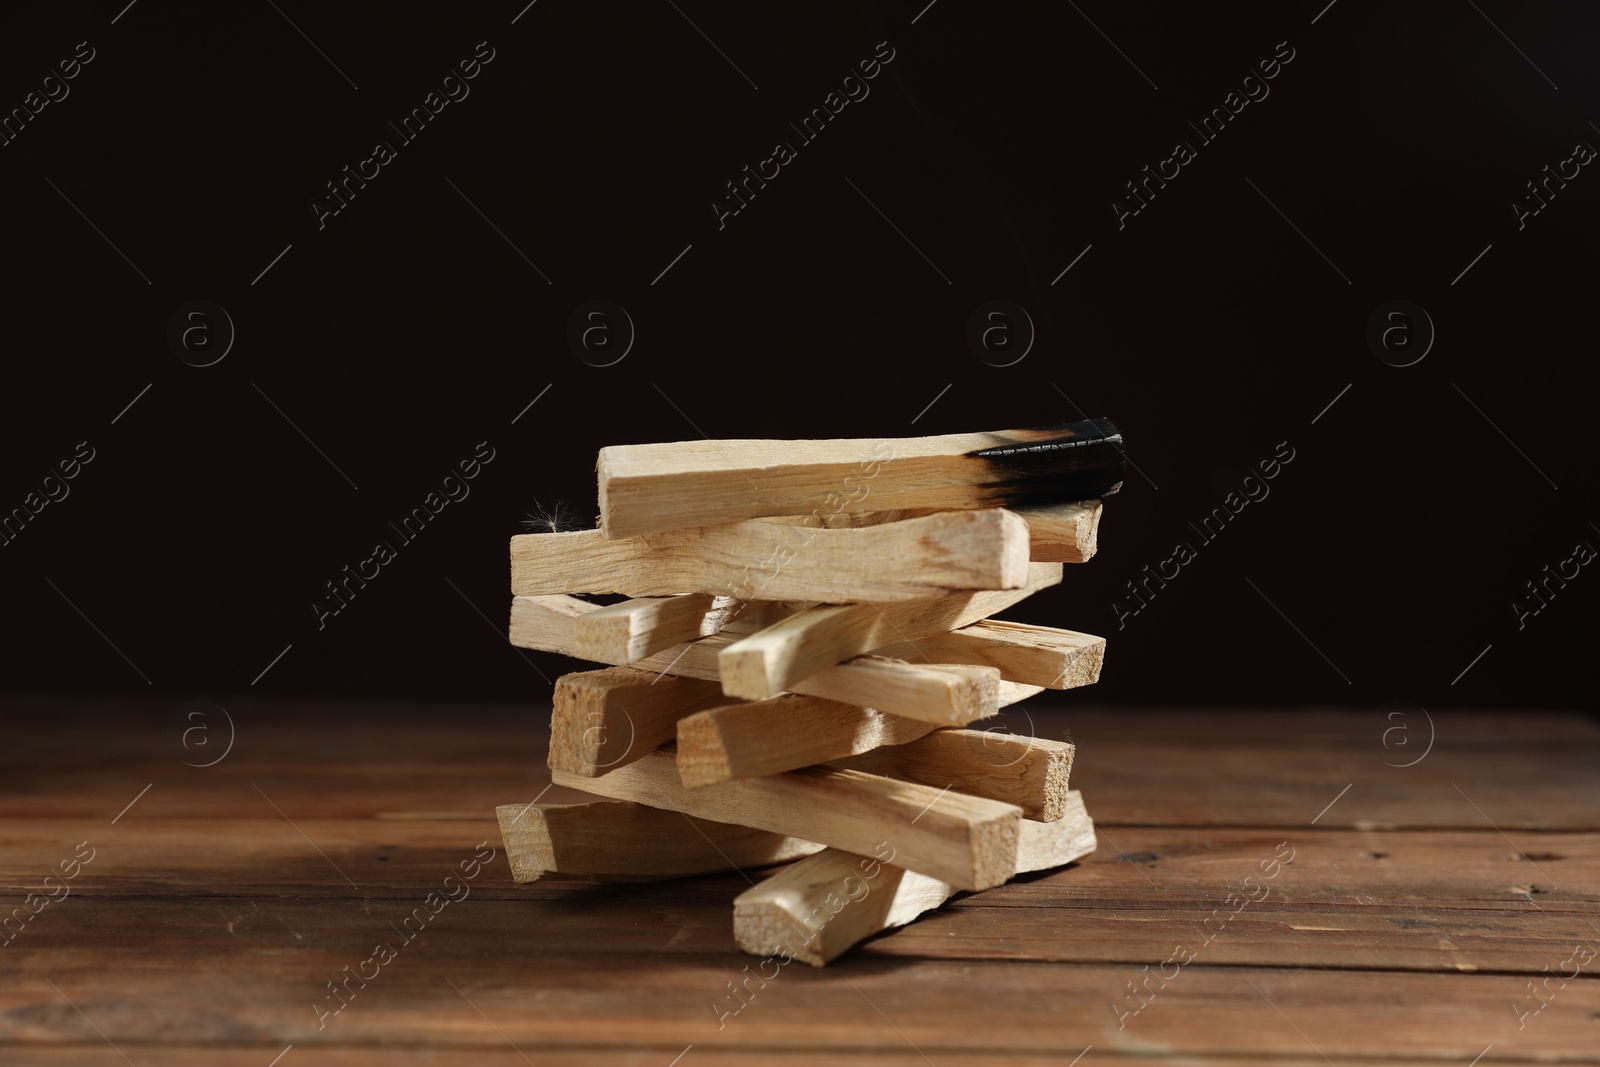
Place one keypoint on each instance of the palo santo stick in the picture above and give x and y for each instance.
(646, 488)
(1057, 533)
(602, 719)
(787, 732)
(1036, 655)
(817, 908)
(947, 695)
(966, 841)
(612, 840)
(633, 629)
(1063, 533)
(772, 660)
(1029, 772)
(924, 557)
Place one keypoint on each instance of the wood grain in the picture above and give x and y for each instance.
(208, 921)
(966, 841)
(613, 840)
(942, 693)
(1057, 533)
(1023, 652)
(818, 908)
(916, 558)
(774, 659)
(784, 733)
(604, 719)
(1030, 772)
(651, 487)
(633, 629)
(1063, 533)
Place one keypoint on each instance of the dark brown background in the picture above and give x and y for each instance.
(408, 329)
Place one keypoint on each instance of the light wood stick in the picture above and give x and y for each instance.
(772, 660)
(787, 732)
(924, 557)
(1057, 533)
(615, 841)
(817, 908)
(1036, 655)
(944, 694)
(603, 719)
(633, 629)
(1030, 772)
(646, 488)
(966, 841)
(1063, 533)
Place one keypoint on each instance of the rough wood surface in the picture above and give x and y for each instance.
(774, 659)
(1023, 652)
(1063, 533)
(630, 631)
(817, 908)
(784, 733)
(666, 486)
(209, 922)
(761, 560)
(1030, 772)
(967, 841)
(941, 693)
(602, 719)
(613, 840)
(1057, 533)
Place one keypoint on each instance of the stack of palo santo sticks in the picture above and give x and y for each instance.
(806, 643)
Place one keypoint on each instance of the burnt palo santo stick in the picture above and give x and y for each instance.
(653, 487)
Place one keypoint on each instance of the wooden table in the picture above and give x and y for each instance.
(1431, 913)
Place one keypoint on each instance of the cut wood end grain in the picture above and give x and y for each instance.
(634, 629)
(1063, 533)
(603, 719)
(819, 907)
(1022, 652)
(1031, 772)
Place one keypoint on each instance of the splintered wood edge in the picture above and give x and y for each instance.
(818, 908)
(527, 841)
(1063, 533)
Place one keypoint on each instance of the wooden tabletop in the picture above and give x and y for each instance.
(1420, 889)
